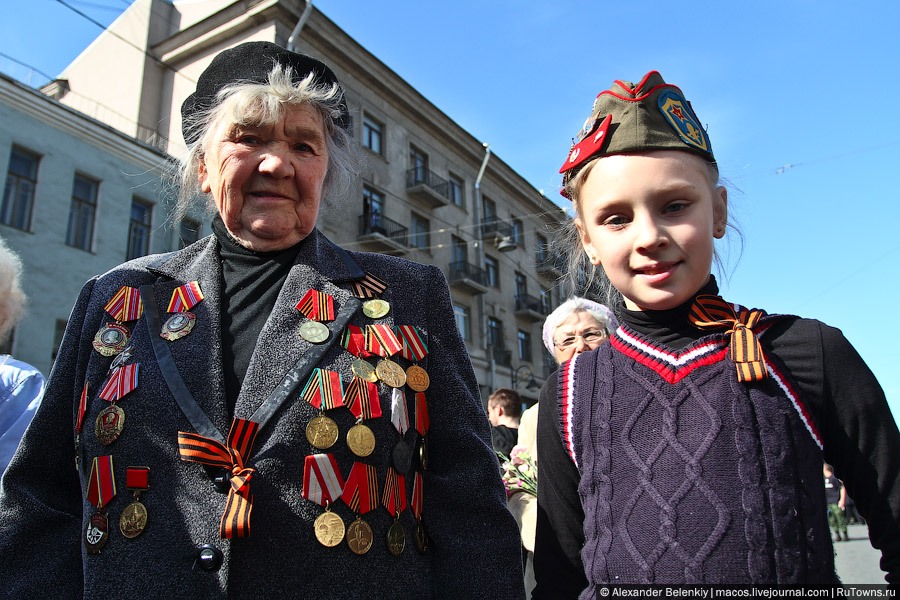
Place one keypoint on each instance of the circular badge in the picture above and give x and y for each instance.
(421, 538)
(314, 332)
(322, 432)
(133, 520)
(396, 539)
(364, 370)
(391, 373)
(402, 456)
(361, 440)
(121, 358)
(417, 378)
(109, 424)
(376, 308)
(96, 534)
(178, 325)
(359, 536)
(329, 529)
(111, 339)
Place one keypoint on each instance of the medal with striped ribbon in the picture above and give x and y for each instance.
(101, 490)
(361, 495)
(323, 484)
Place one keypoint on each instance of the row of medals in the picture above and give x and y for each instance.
(322, 432)
(112, 340)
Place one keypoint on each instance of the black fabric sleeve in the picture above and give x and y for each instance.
(559, 534)
(860, 436)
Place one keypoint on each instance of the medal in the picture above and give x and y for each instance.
(364, 370)
(109, 424)
(359, 536)
(123, 357)
(322, 432)
(423, 453)
(391, 373)
(322, 484)
(324, 389)
(96, 534)
(417, 378)
(423, 422)
(111, 339)
(396, 538)
(361, 440)
(402, 457)
(329, 529)
(414, 348)
(316, 305)
(375, 309)
(101, 490)
(381, 340)
(178, 325)
(133, 519)
(394, 501)
(314, 332)
(420, 536)
(369, 286)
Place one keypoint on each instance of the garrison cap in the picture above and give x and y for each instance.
(652, 115)
(251, 62)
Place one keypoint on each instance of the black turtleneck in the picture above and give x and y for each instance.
(251, 282)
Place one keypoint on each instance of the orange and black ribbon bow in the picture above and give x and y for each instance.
(196, 448)
(712, 312)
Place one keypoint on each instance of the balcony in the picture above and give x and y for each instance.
(428, 187)
(502, 357)
(377, 233)
(467, 277)
(530, 308)
(500, 233)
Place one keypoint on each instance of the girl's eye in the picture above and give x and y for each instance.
(615, 221)
(675, 207)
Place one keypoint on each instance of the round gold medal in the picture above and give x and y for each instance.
(376, 308)
(111, 339)
(96, 534)
(361, 440)
(364, 370)
(396, 538)
(322, 432)
(417, 378)
(359, 536)
(421, 538)
(133, 520)
(177, 326)
(109, 424)
(391, 373)
(314, 332)
(402, 457)
(329, 529)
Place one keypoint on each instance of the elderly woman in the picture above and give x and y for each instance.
(261, 412)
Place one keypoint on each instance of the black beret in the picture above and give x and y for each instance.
(251, 62)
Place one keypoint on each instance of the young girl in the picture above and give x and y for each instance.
(689, 449)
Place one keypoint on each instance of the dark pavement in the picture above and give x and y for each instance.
(856, 560)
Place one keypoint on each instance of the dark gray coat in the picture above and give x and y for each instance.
(43, 508)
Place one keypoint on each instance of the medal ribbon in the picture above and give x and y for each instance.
(137, 478)
(82, 408)
(126, 305)
(422, 420)
(317, 306)
(711, 312)
(324, 389)
(354, 341)
(102, 482)
(185, 297)
(123, 381)
(193, 447)
(417, 496)
(399, 413)
(361, 491)
(361, 397)
(380, 340)
(394, 498)
(414, 347)
(368, 287)
(322, 481)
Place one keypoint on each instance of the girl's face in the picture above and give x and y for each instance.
(650, 219)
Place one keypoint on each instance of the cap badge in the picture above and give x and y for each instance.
(678, 113)
(589, 145)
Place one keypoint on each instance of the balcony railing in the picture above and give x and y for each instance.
(428, 186)
(533, 303)
(464, 270)
(376, 223)
(495, 228)
(502, 356)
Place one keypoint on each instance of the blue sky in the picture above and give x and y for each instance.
(800, 98)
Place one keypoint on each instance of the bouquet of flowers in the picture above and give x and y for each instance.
(519, 471)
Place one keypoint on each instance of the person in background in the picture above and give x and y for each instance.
(836, 500)
(504, 411)
(21, 385)
(262, 413)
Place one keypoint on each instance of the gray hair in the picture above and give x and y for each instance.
(602, 314)
(264, 104)
(12, 298)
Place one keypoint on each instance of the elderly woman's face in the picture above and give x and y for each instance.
(577, 334)
(267, 180)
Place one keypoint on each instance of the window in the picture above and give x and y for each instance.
(418, 164)
(546, 300)
(492, 271)
(461, 314)
(139, 229)
(456, 190)
(18, 195)
(188, 232)
(540, 254)
(490, 211)
(523, 339)
(58, 331)
(521, 285)
(495, 333)
(421, 233)
(82, 213)
(460, 250)
(373, 211)
(372, 134)
(518, 232)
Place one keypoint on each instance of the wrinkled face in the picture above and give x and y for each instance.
(650, 220)
(267, 180)
(578, 333)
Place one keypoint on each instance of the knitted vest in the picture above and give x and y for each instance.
(687, 475)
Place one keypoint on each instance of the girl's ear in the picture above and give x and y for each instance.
(720, 211)
(586, 242)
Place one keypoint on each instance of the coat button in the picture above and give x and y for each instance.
(209, 558)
